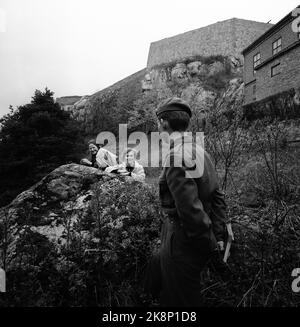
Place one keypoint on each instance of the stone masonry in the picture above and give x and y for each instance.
(227, 38)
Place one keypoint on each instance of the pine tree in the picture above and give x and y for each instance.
(35, 139)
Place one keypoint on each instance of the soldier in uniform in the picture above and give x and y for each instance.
(194, 224)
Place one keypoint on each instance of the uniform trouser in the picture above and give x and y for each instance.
(174, 271)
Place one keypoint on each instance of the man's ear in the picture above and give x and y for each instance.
(164, 124)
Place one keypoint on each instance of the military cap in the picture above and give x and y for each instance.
(173, 104)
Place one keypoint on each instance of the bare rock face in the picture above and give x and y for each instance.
(179, 72)
(146, 83)
(81, 103)
(191, 72)
(233, 95)
(215, 68)
(159, 77)
(236, 64)
(194, 68)
(297, 97)
(203, 99)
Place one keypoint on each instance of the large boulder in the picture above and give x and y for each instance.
(65, 192)
(76, 224)
(215, 68)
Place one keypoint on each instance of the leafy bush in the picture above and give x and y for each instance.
(127, 229)
(263, 257)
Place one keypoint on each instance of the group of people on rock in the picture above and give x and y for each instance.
(105, 160)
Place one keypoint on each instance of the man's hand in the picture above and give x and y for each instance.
(221, 246)
(219, 266)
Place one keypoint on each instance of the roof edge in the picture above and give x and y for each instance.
(203, 27)
(269, 31)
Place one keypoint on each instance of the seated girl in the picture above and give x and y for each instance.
(93, 150)
(129, 167)
(99, 157)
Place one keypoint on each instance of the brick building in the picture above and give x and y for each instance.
(227, 38)
(272, 61)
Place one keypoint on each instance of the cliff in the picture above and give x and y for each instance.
(105, 109)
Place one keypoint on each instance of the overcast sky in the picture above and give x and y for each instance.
(78, 47)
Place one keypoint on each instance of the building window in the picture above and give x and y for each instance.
(275, 70)
(277, 46)
(256, 61)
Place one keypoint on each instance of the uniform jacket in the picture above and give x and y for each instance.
(197, 203)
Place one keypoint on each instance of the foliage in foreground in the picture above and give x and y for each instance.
(103, 260)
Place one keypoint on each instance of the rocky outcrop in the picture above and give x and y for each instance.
(75, 214)
(191, 70)
(62, 195)
(207, 83)
(89, 110)
(232, 97)
(53, 207)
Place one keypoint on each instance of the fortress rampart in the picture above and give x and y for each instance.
(227, 38)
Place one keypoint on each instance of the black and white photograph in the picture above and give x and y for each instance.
(149, 157)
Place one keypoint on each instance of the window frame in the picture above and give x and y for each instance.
(256, 61)
(272, 69)
(276, 47)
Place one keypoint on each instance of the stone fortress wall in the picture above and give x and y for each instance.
(227, 38)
